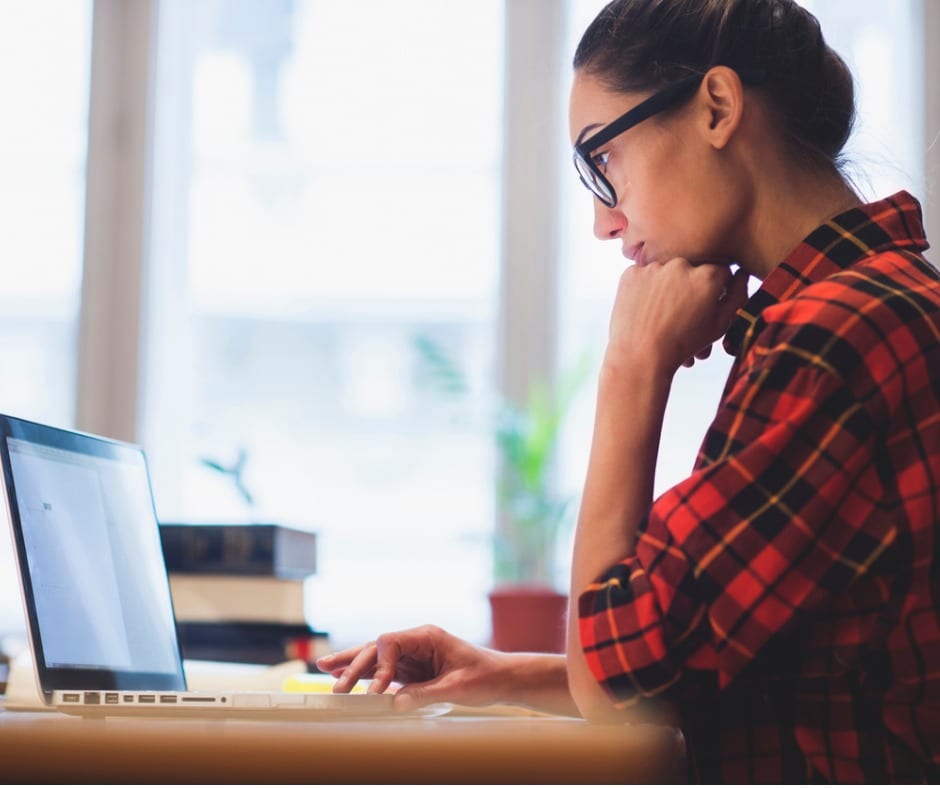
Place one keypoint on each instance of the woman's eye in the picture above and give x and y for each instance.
(600, 159)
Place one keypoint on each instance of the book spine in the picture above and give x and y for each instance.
(307, 649)
(269, 550)
(259, 643)
(215, 598)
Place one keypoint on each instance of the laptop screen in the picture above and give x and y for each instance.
(89, 554)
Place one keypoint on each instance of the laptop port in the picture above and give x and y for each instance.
(92, 697)
(128, 698)
(146, 699)
(71, 697)
(190, 699)
(111, 697)
(168, 699)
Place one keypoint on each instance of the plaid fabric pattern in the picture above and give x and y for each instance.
(786, 596)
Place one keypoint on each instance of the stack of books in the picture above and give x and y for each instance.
(238, 592)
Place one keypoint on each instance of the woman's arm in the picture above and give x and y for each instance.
(617, 493)
(664, 315)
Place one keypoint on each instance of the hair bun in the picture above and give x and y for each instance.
(831, 124)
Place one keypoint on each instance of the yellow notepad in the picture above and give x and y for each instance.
(317, 682)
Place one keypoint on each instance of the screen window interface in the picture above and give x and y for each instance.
(94, 557)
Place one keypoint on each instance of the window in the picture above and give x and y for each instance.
(326, 200)
(44, 67)
(42, 160)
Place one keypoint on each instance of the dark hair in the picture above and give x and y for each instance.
(644, 45)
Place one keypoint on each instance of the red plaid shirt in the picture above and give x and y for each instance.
(786, 596)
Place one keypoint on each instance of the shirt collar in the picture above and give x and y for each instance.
(893, 223)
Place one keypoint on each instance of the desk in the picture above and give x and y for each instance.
(49, 747)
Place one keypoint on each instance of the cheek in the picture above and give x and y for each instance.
(661, 189)
(683, 201)
(653, 156)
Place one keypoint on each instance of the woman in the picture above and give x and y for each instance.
(783, 600)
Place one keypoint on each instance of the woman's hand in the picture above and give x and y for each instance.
(432, 664)
(672, 312)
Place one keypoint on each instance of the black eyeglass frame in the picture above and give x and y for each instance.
(658, 102)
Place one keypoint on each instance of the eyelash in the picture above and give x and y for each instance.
(600, 159)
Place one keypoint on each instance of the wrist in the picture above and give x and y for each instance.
(513, 674)
(630, 370)
(531, 679)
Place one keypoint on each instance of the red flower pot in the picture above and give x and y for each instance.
(528, 618)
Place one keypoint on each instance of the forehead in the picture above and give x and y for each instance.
(592, 104)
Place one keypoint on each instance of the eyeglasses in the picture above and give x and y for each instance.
(587, 166)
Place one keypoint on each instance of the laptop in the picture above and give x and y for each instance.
(94, 583)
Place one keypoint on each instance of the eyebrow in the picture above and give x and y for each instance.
(585, 130)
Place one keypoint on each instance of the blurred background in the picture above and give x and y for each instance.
(234, 227)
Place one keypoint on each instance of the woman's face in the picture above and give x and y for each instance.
(676, 195)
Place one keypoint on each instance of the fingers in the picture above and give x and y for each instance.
(360, 666)
(422, 659)
(702, 354)
(477, 677)
(388, 654)
(736, 291)
(739, 282)
(396, 656)
(456, 687)
(413, 696)
(732, 298)
(338, 661)
(677, 308)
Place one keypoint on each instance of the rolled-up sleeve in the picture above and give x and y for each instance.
(781, 513)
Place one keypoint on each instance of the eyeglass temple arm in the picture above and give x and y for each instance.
(657, 103)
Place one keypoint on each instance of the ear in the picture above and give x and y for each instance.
(722, 96)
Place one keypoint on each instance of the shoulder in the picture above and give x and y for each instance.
(865, 326)
(885, 300)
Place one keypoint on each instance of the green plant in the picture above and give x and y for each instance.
(532, 511)
(235, 473)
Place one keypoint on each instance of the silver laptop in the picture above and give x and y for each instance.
(96, 592)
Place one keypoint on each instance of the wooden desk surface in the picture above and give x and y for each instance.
(49, 748)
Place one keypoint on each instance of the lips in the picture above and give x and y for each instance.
(634, 253)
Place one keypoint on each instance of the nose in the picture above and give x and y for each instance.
(609, 223)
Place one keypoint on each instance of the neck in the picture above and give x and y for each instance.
(788, 206)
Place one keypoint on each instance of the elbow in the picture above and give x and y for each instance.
(596, 706)
(590, 698)
(592, 702)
